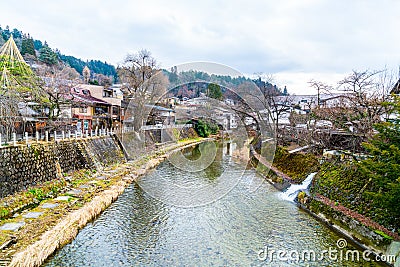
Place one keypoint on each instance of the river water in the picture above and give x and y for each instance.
(153, 224)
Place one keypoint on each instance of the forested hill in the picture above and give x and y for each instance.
(38, 50)
(96, 66)
(186, 83)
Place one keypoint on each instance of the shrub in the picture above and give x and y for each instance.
(204, 128)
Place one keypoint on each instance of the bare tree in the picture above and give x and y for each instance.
(58, 81)
(86, 74)
(103, 80)
(137, 68)
(143, 83)
(359, 102)
(321, 88)
(367, 91)
(270, 101)
(279, 105)
(247, 103)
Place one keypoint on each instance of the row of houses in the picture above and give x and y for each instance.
(85, 108)
(203, 106)
(96, 107)
(93, 106)
(303, 104)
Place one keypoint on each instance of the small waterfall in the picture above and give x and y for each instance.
(291, 193)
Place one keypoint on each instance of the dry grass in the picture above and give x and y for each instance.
(41, 247)
(66, 230)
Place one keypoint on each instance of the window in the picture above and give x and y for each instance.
(83, 110)
(107, 93)
(101, 111)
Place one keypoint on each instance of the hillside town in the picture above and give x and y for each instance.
(78, 105)
(180, 153)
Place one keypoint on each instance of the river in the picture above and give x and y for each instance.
(154, 223)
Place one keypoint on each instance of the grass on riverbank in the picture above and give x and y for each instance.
(296, 165)
(32, 200)
(32, 197)
(350, 185)
(114, 179)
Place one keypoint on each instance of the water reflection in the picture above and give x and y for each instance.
(139, 230)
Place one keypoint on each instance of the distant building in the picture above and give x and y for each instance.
(335, 101)
(198, 101)
(111, 95)
(160, 115)
(249, 120)
(169, 102)
(184, 113)
(226, 118)
(305, 103)
(229, 102)
(89, 112)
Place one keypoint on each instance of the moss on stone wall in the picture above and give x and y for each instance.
(296, 165)
(351, 186)
(359, 232)
(24, 166)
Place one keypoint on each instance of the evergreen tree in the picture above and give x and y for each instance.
(95, 66)
(47, 55)
(202, 128)
(285, 92)
(18, 78)
(17, 34)
(384, 165)
(214, 91)
(173, 75)
(6, 33)
(27, 46)
(38, 44)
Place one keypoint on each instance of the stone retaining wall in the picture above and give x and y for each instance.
(362, 236)
(24, 166)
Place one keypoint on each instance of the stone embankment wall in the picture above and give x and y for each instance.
(24, 166)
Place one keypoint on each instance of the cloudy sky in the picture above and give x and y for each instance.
(295, 40)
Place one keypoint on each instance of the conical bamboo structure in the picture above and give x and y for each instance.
(10, 60)
(11, 51)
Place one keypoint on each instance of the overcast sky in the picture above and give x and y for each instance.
(295, 40)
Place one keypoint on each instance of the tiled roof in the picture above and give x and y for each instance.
(88, 99)
(79, 96)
